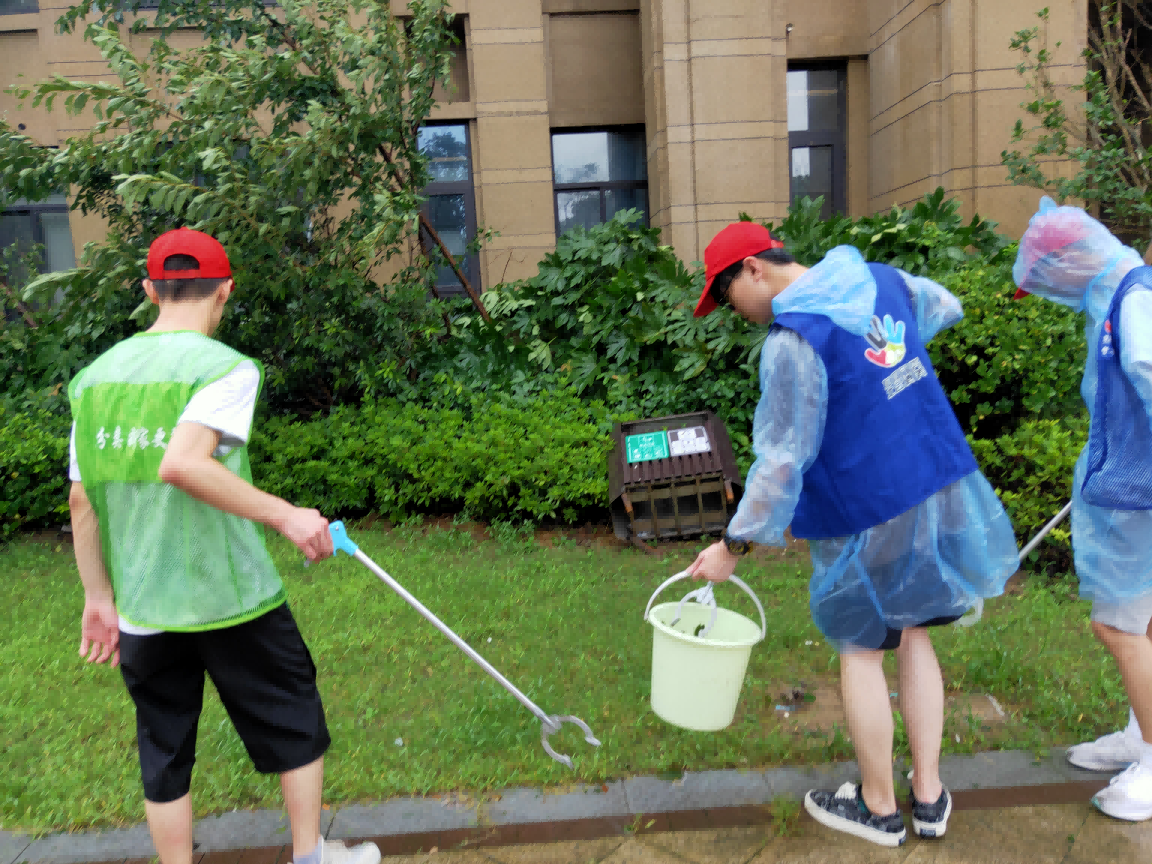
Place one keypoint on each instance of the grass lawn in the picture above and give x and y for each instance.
(562, 621)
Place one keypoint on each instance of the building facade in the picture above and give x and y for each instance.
(561, 112)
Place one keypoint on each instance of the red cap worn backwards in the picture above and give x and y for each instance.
(734, 243)
(184, 241)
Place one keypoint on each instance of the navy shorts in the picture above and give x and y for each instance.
(892, 638)
(266, 680)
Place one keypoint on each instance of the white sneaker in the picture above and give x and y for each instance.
(1113, 752)
(335, 852)
(1128, 795)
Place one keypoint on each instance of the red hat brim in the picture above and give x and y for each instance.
(1020, 293)
(705, 305)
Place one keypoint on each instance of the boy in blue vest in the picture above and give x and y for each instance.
(858, 450)
(170, 549)
(1069, 257)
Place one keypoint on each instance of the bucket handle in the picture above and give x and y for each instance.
(684, 574)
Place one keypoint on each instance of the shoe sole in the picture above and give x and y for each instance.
(933, 829)
(1130, 816)
(1099, 767)
(839, 823)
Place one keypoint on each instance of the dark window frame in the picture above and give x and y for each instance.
(33, 209)
(836, 138)
(451, 286)
(5, 10)
(602, 187)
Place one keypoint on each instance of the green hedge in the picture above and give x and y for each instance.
(606, 327)
(1031, 469)
(1007, 362)
(33, 470)
(504, 458)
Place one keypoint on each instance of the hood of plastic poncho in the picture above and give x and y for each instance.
(1067, 256)
(840, 287)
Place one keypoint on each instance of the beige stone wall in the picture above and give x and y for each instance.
(716, 115)
(945, 94)
(513, 153)
(826, 28)
(858, 139)
(594, 74)
(931, 98)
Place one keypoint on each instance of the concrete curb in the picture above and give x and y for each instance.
(622, 799)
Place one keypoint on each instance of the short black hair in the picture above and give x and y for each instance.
(184, 289)
(723, 280)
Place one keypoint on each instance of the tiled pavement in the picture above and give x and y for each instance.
(1009, 807)
(1052, 834)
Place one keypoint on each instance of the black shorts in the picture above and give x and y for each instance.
(266, 680)
(892, 638)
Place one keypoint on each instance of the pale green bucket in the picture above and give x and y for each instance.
(696, 679)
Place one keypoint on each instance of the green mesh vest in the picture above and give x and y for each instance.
(175, 562)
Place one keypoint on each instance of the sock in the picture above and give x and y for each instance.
(1133, 725)
(315, 856)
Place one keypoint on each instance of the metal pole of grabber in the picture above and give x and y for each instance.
(550, 723)
(1052, 523)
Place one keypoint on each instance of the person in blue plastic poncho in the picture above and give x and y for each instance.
(1069, 257)
(858, 450)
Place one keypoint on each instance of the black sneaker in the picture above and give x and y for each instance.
(846, 811)
(931, 820)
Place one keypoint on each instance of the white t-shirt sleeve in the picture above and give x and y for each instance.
(227, 405)
(73, 465)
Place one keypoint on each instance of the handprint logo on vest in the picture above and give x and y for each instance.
(887, 340)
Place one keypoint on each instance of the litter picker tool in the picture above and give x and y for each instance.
(550, 723)
(1052, 523)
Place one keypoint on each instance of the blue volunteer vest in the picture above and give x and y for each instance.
(890, 437)
(1119, 469)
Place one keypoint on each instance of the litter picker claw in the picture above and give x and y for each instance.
(550, 723)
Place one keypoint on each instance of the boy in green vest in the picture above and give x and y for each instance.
(170, 546)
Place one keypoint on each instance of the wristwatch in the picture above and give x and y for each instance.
(735, 546)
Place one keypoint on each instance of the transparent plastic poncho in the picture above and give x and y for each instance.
(1112, 548)
(935, 560)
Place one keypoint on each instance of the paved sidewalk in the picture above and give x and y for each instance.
(1055, 834)
(1010, 807)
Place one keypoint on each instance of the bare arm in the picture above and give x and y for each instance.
(188, 465)
(86, 543)
(99, 623)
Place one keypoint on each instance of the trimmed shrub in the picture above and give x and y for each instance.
(33, 470)
(503, 458)
(1008, 361)
(1031, 469)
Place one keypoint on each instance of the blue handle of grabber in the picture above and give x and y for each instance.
(341, 542)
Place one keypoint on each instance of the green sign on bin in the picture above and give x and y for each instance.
(646, 447)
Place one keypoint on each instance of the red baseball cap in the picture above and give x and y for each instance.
(184, 241)
(734, 243)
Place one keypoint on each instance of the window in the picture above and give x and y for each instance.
(597, 174)
(816, 122)
(25, 225)
(451, 205)
(18, 7)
